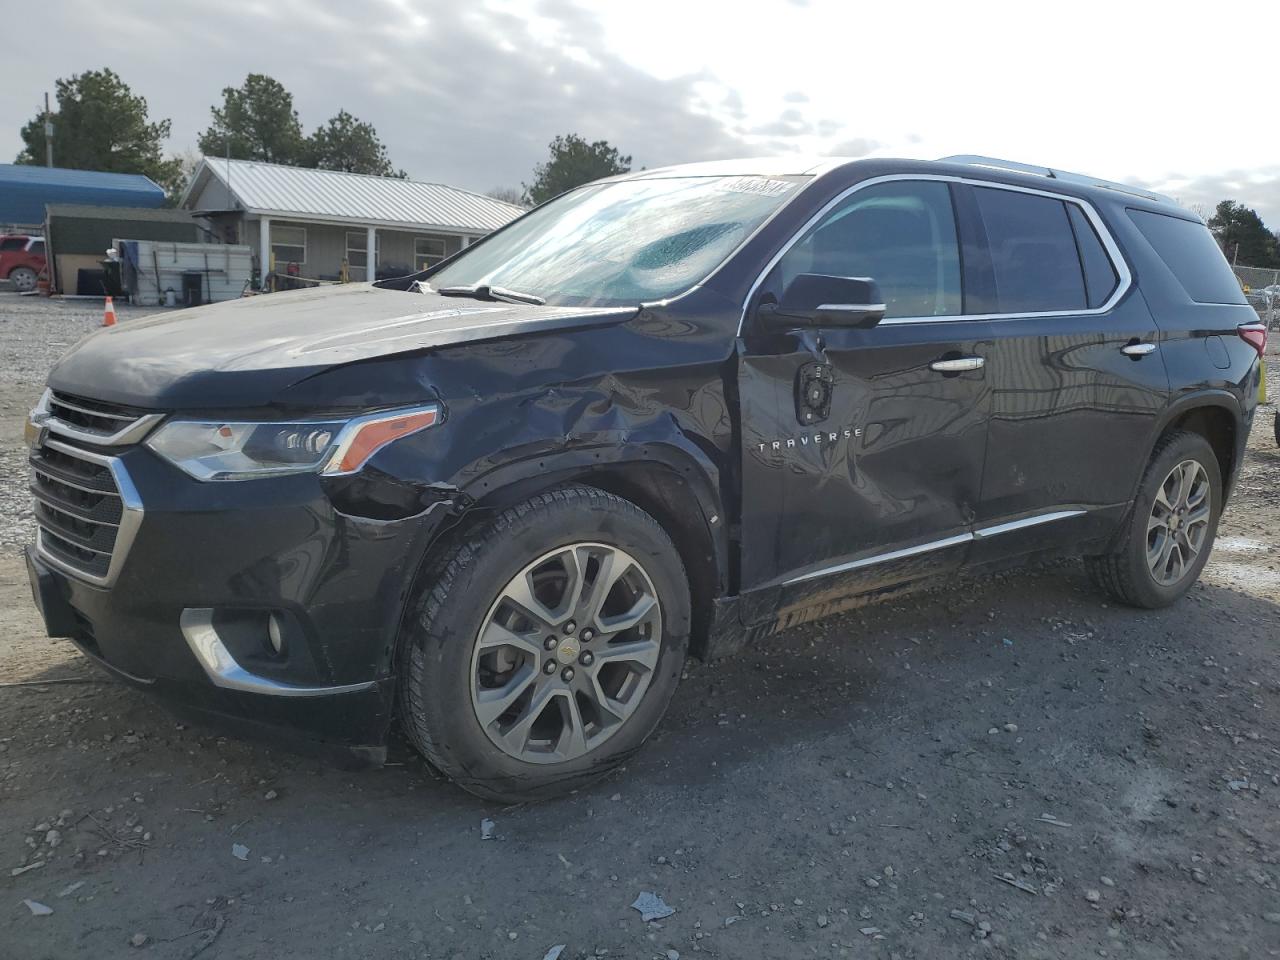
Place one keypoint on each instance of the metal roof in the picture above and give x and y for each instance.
(301, 192)
(24, 190)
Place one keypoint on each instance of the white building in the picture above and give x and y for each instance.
(307, 222)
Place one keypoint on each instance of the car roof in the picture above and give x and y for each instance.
(966, 165)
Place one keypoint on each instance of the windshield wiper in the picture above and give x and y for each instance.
(485, 292)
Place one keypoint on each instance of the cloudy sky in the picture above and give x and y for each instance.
(469, 92)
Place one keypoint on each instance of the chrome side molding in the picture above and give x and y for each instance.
(981, 533)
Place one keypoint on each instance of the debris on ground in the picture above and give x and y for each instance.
(487, 827)
(38, 909)
(240, 851)
(651, 907)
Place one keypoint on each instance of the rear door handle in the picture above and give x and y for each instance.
(1138, 349)
(959, 365)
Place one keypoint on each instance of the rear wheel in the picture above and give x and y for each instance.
(23, 279)
(1167, 536)
(547, 647)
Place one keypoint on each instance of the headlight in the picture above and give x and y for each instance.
(236, 450)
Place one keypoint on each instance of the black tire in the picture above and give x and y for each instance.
(435, 689)
(1124, 573)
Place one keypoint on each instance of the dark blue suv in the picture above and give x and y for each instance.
(664, 413)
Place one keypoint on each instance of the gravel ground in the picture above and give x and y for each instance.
(1006, 768)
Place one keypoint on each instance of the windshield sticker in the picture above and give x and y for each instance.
(760, 186)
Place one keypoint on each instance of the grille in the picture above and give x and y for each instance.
(86, 508)
(92, 421)
(89, 414)
(78, 508)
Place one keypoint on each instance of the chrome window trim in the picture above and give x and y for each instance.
(1124, 282)
(131, 514)
(223, 670)
(980, 533)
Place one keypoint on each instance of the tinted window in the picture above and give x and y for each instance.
(37, 247)
(1033, 252)
(1099, 272)
(900, 234)
(1189, 250)
(13, 243)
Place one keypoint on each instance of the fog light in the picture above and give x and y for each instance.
(275, 633)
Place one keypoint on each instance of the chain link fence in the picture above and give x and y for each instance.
(1262, 288)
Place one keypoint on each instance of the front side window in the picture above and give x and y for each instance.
(1033, 252)
(901, 234)
(13, 243)
(37, 247)
(624, 242)
(288, 245)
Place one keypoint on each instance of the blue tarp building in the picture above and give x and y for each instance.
(24, 191)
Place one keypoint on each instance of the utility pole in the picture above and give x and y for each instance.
(48, 133)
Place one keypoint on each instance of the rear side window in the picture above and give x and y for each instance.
(1189, 250)
(1099, 272)
(1033, 252)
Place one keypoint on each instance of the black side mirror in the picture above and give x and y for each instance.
(814, 299)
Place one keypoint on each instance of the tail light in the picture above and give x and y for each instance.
(1255, 335)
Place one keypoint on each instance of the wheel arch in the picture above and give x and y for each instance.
(667, 482)
(1217, 416)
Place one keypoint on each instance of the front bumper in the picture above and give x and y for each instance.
(185, 615)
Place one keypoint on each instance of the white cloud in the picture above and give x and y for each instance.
(470, 93)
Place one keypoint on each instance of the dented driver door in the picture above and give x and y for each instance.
(862, 449)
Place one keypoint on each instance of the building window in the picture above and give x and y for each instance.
(427, 252)
(357, 249)
(288, 245)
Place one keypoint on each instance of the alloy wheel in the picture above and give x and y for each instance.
(566, 653)
(1179, 522)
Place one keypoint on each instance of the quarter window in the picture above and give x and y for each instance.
(288, 245)
(1189, 250)
(1099, 272)
(901, 234)
(1033, 252)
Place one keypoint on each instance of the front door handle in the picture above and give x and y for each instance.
(958, 365)
(1138, 349)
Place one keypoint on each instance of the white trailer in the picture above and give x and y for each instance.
(193, 272)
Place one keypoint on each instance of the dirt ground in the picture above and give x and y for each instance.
(1010, 767)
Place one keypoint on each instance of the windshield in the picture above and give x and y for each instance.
(621, 243)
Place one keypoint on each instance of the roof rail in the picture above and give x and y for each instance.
(974, 160)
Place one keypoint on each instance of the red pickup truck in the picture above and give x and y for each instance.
(21, 260)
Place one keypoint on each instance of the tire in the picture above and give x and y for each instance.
(1127, 573)
(1276, 427)
(456, 664)
(23, 279)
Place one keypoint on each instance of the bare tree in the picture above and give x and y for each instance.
(508, 195)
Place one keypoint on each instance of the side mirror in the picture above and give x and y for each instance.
(814, 299)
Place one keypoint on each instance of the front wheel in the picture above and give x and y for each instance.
(1169, 531)
(547, 646)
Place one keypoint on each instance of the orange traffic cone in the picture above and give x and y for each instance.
(109, 314)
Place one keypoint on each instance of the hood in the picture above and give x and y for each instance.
(242, 353)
